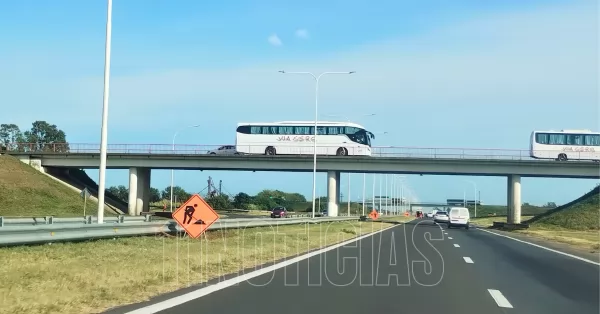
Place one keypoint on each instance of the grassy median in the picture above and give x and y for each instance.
(94, 276)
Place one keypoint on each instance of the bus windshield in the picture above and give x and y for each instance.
(361, 136)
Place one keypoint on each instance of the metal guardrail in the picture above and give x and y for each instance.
(376, 151)
(49, 233)
(50, 220)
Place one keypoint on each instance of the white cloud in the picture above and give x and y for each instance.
(302, 33)
(275, 40)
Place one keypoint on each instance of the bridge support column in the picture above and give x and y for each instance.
(333, 193)
(143, 191)
(133, 187)
(514, 199)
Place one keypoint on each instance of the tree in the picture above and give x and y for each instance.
(179, 194)
(242, 200)
(46, 137)
(154, 195)
(121, 192)
(219, 201)
(550, 205)
(10, 135)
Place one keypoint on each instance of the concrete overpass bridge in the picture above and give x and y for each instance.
(431, 161)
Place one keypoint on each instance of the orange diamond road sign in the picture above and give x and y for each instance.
(374, 214)
(195, 216)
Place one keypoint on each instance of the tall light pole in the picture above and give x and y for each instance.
(173, 149)
(387, 199)
(373, 194)
(104, 129)
(317, 78)
(364, 190)
(475, 188)
(348, 194)
(380, 193)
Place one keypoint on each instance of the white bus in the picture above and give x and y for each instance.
(297, 138)
(565, 145)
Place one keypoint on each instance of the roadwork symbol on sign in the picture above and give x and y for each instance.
(374, 214)
(195, 216)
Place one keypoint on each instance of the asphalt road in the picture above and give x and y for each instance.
(484, 274)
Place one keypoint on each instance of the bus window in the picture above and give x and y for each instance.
(574, 139)
(592, 140)
(541, 138)
(557, 139)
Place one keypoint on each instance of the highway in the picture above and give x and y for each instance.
(450, 271)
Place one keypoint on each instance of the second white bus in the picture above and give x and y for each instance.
(565, 145)
(297, 138)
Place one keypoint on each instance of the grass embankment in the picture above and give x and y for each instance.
(576, 223)
(26, 192)
(93, 276)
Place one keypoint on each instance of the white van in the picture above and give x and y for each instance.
(459, 217)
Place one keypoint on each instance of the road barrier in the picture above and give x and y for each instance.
(56, 232)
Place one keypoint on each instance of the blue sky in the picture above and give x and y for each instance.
(475, 74)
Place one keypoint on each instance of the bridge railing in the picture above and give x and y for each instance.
(184, 149)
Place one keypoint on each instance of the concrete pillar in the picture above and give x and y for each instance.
(333, 193)
(146, 206)
(514, 199)
(143, 190)
(133, 187)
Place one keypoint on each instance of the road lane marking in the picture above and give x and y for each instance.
(499, 298)
(468, 260)
(196, 294)
(450, 238)
(456, 245)
(543, 247)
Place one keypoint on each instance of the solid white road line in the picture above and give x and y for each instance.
(499, 298)
(543, 247)
(456, 245)
(468, 260)
(167, 304)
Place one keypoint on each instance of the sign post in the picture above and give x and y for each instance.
(195, 216)
(85, 194)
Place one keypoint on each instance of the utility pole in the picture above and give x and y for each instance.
(220, 187)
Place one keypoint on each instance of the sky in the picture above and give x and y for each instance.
(461, 73)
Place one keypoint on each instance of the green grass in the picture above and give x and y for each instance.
(26, 192)
(576, 223)
(583, 215)
(90, 277)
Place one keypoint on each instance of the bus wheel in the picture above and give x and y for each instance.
(562, 157)
(270, 150)
(342, 152)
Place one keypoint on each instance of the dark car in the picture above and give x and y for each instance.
(278, 212)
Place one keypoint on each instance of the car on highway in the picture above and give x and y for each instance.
(459, 217)
(278, 212)
(430, 214)
(224, 150)
(440, 217)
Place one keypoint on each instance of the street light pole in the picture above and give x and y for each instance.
(317, 78)
(373, 194)
(364, 190)
(348, 198)
(475, 188)
(173, 149)
(380, 193)
(104, 128)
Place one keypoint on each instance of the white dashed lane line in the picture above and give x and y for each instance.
(450, 238)
(499, 298)
(468, 260)
(456, 245)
